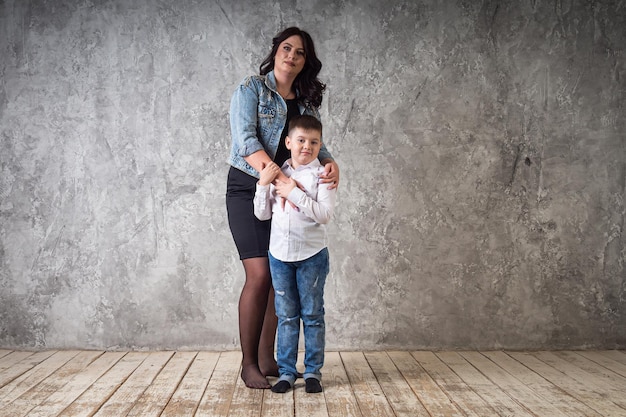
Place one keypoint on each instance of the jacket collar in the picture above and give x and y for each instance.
(270, 82)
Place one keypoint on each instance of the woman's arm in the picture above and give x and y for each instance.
(259, 160)
(243, 125)
(243, 117)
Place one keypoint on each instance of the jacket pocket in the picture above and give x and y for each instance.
(266, 116)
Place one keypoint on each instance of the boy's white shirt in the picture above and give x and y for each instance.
(297, 234)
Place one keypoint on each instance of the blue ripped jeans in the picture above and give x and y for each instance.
(299, 295)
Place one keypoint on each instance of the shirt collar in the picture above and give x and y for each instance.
(313, 164)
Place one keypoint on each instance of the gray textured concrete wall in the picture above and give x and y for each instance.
(483, 170)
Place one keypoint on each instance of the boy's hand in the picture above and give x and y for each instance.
(269, 173)
(284, 188)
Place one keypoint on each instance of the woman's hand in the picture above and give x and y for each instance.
(330, 174)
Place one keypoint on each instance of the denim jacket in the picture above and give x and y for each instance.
(257, 118)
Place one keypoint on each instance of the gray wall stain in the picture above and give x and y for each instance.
(482, 156)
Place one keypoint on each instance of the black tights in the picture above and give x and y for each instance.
(257, 322)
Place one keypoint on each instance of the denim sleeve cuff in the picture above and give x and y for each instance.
(249, 148)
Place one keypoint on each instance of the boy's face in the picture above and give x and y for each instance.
(304, 145)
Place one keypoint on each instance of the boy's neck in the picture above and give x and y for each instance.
(296, 165)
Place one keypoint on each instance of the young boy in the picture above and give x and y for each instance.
(297, 253)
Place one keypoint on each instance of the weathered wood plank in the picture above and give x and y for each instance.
(156, 396)
(12, 358)
(29, 379)
(309, 405)
(221, 387)
(396, 389)
(23, 366)
(425, 389)
(369, 394)
(605, 375)
(603, 385)
(616, 355)
(582, 391)
(93, 398)
(356, 384)
(69, 392)
(562, 401)
(340, 398)
(454, 387)
(186, 398)
(512, 386)
(606, 361)
(53, 383)
(120, 403)
(488, 391)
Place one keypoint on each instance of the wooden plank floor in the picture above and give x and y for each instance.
(376, 384)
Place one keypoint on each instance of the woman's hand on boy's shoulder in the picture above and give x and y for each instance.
(330, 174)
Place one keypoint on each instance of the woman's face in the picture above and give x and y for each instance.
(290, 56)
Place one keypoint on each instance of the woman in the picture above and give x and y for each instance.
(259, 113)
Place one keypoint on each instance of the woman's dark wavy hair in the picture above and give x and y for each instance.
(308, 85)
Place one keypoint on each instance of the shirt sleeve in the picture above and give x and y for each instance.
(262, 203)
(320, 210)
(243, 119)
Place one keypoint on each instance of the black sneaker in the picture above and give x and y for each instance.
(281, 387)
(312, 385)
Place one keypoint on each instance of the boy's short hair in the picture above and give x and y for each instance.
(305, 122)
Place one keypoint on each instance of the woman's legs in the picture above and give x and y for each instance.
(267, 361)
(257, 324)
(257, 320)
